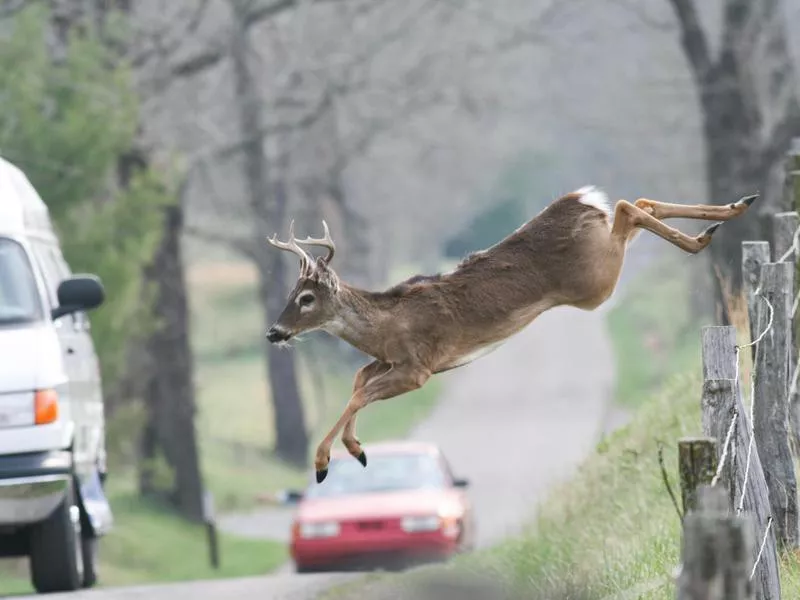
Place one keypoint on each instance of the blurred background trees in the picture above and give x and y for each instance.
(171, 137)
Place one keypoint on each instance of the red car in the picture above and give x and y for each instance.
(404, 508)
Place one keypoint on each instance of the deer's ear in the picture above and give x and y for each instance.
(321, 265)
(329, 279)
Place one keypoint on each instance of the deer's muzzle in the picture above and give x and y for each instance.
(276, 333)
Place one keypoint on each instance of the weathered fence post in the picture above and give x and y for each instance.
(754, 254)
(716, 551)
(771, 408)
(697, 464)
(722, 400)
(784, 225)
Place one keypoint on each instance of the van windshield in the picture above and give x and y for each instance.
(19, 298)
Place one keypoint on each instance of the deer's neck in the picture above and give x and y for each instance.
(358, 320)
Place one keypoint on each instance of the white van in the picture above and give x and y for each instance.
(52, 433)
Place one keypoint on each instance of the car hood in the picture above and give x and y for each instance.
(380, 505)
(30, 358)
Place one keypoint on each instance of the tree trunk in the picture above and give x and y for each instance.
(171, 394)
(291, 437)
(267, 204)
(732, 127)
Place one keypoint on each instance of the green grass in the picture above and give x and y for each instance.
(653, 333)
(150, 544)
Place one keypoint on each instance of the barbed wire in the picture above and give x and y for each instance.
(734, 418)
(761, 549)
(726, 445)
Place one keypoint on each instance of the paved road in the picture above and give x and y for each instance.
(514, 422)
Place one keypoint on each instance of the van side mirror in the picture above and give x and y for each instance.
(461, 483)
(78, 293)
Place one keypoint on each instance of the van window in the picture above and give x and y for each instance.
(19, 299)
(49, 270)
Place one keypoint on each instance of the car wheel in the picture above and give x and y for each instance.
(89, 553)
(56, 553)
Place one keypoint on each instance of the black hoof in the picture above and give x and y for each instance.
(748, 200)
(710, 231)
(321, 475)
(362, 458)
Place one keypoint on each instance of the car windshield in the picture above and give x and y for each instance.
(19, 299)
(385, 473)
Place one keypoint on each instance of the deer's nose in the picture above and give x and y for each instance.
(277, 334)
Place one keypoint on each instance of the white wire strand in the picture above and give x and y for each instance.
(761, 549)
(726, 446)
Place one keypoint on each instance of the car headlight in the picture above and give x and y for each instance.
(422, 523)
(319, 530)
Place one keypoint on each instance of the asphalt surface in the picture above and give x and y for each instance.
(514, 422)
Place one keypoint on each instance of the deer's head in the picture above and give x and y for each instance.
(312, 302)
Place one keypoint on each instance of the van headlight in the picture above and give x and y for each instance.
(323, 529)
(420, 523)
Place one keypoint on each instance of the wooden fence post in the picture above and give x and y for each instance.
(771, 407)
(754, 254)
(792, 203)
(716, 551)
(722, 399)
(784, 225)
(697, 465)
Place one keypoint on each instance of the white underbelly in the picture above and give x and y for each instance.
(475, 354)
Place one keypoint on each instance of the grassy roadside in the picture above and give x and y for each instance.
(652, 333)
(613, 526)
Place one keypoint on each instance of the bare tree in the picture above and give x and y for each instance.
(748, 97)
(162, 372)
(310, 93)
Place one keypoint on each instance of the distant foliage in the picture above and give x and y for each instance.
(65, 124)
(487, 228)
(520, 191)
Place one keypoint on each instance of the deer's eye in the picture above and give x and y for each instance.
(306, 300)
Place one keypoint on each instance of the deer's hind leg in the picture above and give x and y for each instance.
(706, 212)
(628, 218)
(386, 383)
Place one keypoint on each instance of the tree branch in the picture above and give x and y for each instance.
(249, 16)
(693, 39)
(243, 247)
(780, 138)
(162, 47)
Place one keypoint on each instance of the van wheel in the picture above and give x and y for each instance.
(89, 551)
(56, 553)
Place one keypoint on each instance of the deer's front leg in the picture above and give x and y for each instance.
(396, 380)
(349, 438)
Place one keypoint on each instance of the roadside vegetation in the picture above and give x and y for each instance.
(613, 527)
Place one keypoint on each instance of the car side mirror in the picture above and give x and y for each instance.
(461, 483)
(78, 293)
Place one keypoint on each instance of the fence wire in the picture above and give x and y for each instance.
(793, 250)
(751, 443)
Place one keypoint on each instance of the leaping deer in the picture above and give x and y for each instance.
(571, 253)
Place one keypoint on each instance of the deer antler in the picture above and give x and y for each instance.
(324, 242)
(306, 263)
